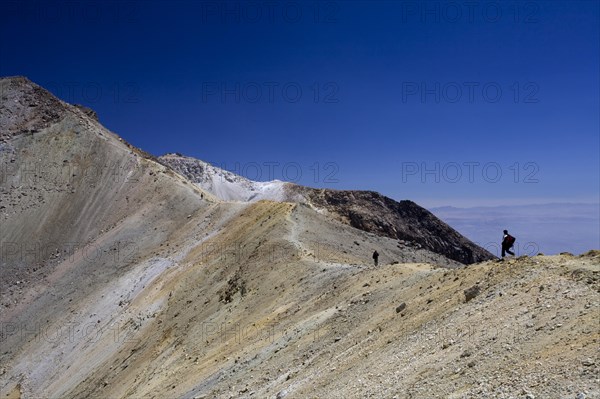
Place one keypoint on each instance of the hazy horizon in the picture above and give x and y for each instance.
(546, 228)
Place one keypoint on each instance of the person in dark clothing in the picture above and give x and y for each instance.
(375, 257)
(507, 243)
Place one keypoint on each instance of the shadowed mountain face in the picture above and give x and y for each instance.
(365, 210)
(120, 278)
(404, 220)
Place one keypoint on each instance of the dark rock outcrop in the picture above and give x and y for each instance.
(471, 292)
(403, 220)
(88, 111)
(26, 107)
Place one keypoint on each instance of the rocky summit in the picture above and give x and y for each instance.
(123, 275)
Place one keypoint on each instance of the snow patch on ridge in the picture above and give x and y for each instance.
(225, 185)
(245, 191)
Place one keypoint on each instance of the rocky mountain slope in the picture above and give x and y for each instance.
(364, 210)
(120, 278)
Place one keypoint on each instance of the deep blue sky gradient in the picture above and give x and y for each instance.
(154, 70)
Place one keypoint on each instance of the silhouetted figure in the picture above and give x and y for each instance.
(507, 243)
(375, 258)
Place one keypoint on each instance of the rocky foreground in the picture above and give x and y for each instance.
(523, 328)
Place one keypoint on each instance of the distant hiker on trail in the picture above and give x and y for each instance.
(375, 257)
(507, 243)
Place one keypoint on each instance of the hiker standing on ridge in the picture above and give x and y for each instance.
(375, 257)
(507, 243)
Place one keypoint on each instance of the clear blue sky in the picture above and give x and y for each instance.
(388, 90)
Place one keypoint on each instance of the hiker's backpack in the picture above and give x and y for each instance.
(510, 240)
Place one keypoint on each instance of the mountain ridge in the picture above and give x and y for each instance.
(365, 210)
